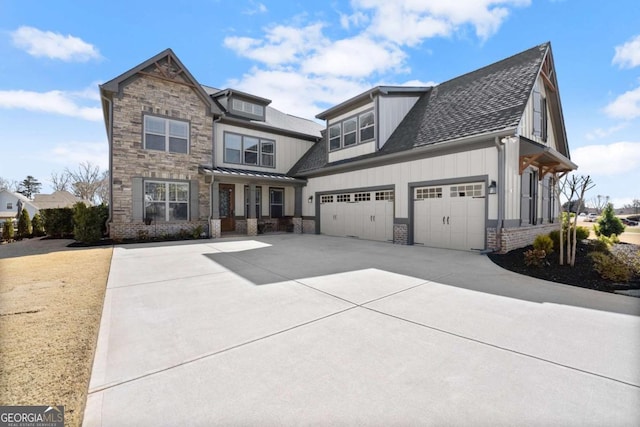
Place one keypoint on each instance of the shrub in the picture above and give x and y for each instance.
(58, 222)
(599, 246)
(7, 230)
(196, 232)
(610, 267)
(543, 243)
(88, 223)
(534, 257)
(24, 225)
(582, 233)
(609, 223)
(37, 226)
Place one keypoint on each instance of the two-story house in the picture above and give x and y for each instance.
(468, 164)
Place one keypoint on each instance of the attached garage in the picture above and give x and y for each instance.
(364, 214)
(450, 216)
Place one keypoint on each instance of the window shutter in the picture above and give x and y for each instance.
(525, 197)
(194, 200)
(537, 114)
(137, 197)
(546, 217)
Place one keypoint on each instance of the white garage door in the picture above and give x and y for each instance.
(450, 216)
(365, 215)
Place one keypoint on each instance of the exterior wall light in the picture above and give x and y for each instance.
(310, 199)
(493, 187)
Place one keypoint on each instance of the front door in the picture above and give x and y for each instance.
(227, 207)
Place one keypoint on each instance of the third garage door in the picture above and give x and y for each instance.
(365, 215)
(450, 216)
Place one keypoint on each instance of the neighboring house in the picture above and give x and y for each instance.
(468, 164)
(57, 199)
(9, 202)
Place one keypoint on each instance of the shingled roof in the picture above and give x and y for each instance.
(489, 99)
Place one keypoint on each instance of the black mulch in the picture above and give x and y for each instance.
(582, 274)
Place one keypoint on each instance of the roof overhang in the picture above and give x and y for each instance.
(545, 158)
(249, 176)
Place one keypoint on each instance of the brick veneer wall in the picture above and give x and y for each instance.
(400, 234)
(514, 238)
(309, 226)
(139, 230)
(140, 95)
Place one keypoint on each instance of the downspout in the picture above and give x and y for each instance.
(501, 193)
(213, 165)
(109, 139)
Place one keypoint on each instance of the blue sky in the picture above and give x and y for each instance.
(308, 56)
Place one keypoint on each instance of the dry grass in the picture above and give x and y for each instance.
(50, 308)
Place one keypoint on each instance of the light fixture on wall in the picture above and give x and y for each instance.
(310, 199)
(493, 187)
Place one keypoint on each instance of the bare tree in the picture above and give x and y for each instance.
(573, 188)
(85, 180)
(102, 193)
(10, 185)
(60, 181)
(599, 202)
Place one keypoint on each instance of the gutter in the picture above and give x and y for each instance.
(109, 126)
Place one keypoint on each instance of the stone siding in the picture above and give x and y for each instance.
(400, 234)
(148, 95)
(160, 230)
(309, 226)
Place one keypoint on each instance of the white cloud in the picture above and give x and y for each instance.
(281, 45)
(255, 8)
(55, 101)
(71, 154)
(355, 57)
(618, 158)
(600, 133)
(419, 83)
(357, 19)
(409, 22)
(628, 54)
(625, 106)
(53, 45)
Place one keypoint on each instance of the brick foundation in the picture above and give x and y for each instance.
(400, 234)
(309, 226)
(297, 225)
(139, 230)
(514, 238)
(216, 228)
(252, 226)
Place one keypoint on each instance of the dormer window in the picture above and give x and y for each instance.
(352, 131)
(247, 109)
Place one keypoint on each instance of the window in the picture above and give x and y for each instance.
(166, 135)
(342, 198)
(539, 115)
(257, 201)
(467, 190)
(9, 206)
(249, 150)
(352, 131)
(366, 126)
(248, 107)
(334, 137)
(429, 193)
(349, 128)
(276, 203)
(326, 199)
(166, 201)
(362, 197)
(384, 195)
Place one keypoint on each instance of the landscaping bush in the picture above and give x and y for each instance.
(600, 246)
(543, 243)
(582, 233)
(24, 225)
(37, 226)
(609, 223)
(89, 222)
(7, 230)
(535, 257)
(610, 267)
(58, 222)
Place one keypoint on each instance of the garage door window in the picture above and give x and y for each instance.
(384, 195)
(341, 198)
(429, 193)
(362, 197)
(326, 199)
(467, 190)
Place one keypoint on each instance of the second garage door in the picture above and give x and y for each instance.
(365, 215)
(450, 216)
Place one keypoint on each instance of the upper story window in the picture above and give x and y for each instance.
(352, 131)
(250, 108)
(249, 150)
(166, 134)
(539, 115)
(9, 206)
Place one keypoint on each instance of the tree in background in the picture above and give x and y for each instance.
(29, 186)
(37, 225)
(600, 202)
(87, 182)
(60, 181)
(9, 185)
(635, 205)
(609, 223)
(24, 225)
(7, 230)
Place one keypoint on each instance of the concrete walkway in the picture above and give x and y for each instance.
(313, 330)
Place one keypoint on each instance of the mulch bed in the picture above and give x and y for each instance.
(582, 274)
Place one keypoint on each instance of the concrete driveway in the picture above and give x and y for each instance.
(313, 330)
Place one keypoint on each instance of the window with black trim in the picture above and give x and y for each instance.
(257, 201)
(276, 202)
(166, 201)
(352, 131)
(166, 134)
(249, 150)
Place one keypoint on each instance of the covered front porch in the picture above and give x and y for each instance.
(249, 202)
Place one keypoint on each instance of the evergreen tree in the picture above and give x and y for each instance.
(7, 230)
(609, 223)
(37, 225)
(24, 225)
(29, 186)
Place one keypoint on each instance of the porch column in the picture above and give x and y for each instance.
(252, 220)
(297, 210)
(214, 222)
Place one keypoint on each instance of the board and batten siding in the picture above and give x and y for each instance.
(526, 123)
(288, 149)
(391, 111)
(470, 163)
(512, 180)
